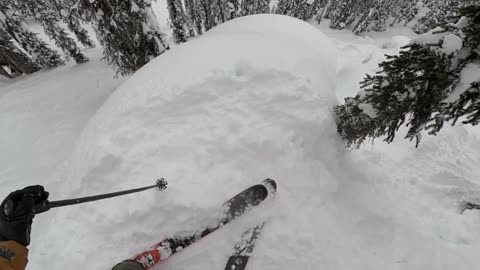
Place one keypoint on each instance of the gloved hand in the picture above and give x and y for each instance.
(16, 214)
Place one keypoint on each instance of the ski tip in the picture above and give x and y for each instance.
(270, 184)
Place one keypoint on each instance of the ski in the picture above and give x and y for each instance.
(233, 208)
(244, 248)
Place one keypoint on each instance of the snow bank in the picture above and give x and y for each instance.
(249, 100)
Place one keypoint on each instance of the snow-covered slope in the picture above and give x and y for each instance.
(42, 114)
(249, 100)
(220, 113)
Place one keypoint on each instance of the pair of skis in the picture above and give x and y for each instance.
(233, 208)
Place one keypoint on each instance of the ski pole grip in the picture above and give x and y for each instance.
(37, 209)
(8, 207)
(41, 207)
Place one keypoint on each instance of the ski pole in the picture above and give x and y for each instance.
(161, 184)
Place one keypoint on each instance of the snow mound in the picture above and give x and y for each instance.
(225, 111)
(396, 42)
(251, 99)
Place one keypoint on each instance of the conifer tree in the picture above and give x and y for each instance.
(368, 12)
(42, 55)
(48, 14)
(190, 17)
(178, 21)
(62, 40)
(11, 56)
(323, 7)
(285, 7)
(262, 7)
(66, 10)
(128, 30)
(304, 10)
(74, 24)
(439, 10)
(344, 13)
(233, 9)
(220, 10)
(403, 11)
(423, 87)
(300, 9)
(317, 8)
(194, 15)
(247, 7)
(250, 7)
(204, 8)
(465, 98)
(374, 16)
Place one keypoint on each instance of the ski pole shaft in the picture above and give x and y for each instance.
(161, 184)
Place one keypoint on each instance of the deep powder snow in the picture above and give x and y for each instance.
(251, 99)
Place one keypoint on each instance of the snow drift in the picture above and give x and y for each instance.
(251, 99)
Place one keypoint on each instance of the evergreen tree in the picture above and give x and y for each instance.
(423, 87)
(300, 9)
(465, 98)
(74, 24)
(234, 8)
(205, 12)
(13, 58)
(375, 16)
(189, 20)
(262, 7)
(317, 9)
(285, 7)
(67, 10)
(304, 10)
(42, 55)
(363, 25)
(344, 13)
(194, 15)
(219, 10)
(403, 11)
(128, 30)
(62, 40)
(323, 7)
(440, 11)
(48, 14)
(250, 7)
(178, 21)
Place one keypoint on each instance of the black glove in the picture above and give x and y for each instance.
(16, 214)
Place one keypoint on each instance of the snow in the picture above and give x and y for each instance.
(205, 122)
(433, 37)
(135, 7)
(43, 113)
(469, 75)
(252, 104)
(452, 43)
(368, 110)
